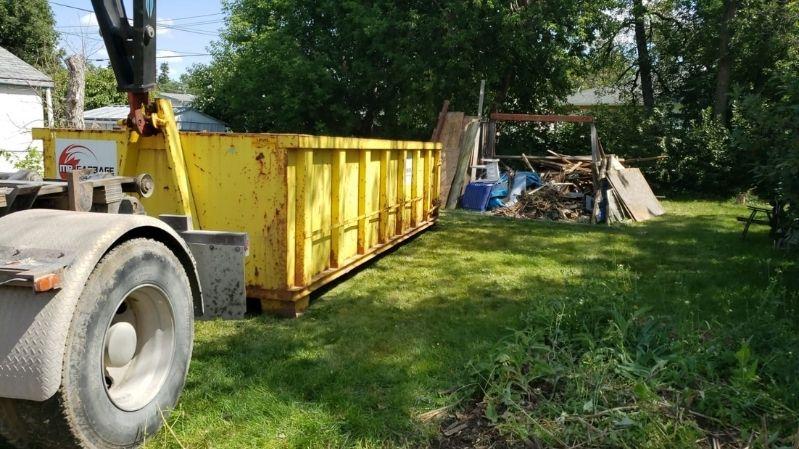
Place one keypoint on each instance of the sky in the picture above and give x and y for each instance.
(185, 29)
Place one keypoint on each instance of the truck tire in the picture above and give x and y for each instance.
(127, 356)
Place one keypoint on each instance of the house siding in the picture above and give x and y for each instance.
(20, 110)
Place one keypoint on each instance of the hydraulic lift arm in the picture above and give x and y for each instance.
(131, 49)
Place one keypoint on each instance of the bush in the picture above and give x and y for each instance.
(766, 128)
(620, 377)
(31, 160)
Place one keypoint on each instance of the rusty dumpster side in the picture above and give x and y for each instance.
(315, 207)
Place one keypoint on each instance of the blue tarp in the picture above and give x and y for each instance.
(482, 195)
(499, 192)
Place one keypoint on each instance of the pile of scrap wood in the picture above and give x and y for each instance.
(566, 181)
(546, 202)
(571, 186)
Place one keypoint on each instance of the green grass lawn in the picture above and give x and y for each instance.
(395, 340)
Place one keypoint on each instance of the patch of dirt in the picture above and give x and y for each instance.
(470, 429)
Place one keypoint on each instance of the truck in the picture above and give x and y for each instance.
(131, 235)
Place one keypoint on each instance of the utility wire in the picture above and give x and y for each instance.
(165, 20)
(198, 55)
(70, 6)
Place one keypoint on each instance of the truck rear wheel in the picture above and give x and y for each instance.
(127, 356)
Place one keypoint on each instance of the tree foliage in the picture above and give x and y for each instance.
(27, 29)
(383, 67)
(710, 83)
(101, 88)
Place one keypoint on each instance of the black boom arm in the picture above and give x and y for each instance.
(131, 48)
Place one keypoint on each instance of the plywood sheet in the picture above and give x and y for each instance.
(450, 139)
(633, 190)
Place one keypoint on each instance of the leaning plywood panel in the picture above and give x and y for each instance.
(635, 194)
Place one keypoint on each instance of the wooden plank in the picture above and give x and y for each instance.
(635, 193)
(466, 147)
(526, 161)
(450, 140)
(547, 158)
(442, 118)
(435, 195)
(503, 117)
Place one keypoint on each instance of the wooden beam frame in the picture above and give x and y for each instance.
(503, 117)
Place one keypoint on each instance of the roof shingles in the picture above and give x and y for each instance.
(17, 72)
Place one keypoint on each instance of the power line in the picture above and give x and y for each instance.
(81, 36)
(198, 55)
(195, 17)
(70, 6)
(163, 20)
(168, 22)
(199, 32)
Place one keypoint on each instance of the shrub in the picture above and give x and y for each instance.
(619, 376)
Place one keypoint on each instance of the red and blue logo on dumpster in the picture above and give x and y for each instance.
(78, 157)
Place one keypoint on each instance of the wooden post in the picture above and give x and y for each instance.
(48, 98)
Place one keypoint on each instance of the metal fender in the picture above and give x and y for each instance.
(34, 326)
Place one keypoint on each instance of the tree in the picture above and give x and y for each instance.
(27, 29)
(721, 99)
(381, 68)
(163, 76)
(101, 88)
(76, 89)
(167, 84)
(644, 61)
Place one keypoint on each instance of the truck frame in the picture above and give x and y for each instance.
(97, 299)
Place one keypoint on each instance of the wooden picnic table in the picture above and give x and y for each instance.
(753, 218)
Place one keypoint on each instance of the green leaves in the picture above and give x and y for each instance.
(27, 29)
(622, 376)
(101, 88)
(383, 69)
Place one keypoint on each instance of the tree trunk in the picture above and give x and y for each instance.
(721, 99)
(76, 87)
(502, 93)
(644, 61)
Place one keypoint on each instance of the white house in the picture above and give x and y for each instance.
(587, 98)
(24, 92)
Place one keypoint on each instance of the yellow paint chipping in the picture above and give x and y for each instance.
(313, 206)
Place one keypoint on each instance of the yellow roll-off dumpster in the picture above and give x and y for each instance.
(314, 207)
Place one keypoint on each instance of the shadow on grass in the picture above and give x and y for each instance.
(377, 350)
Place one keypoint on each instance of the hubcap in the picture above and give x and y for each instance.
(139, 347)
(121, 345)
